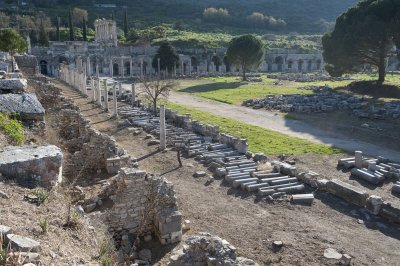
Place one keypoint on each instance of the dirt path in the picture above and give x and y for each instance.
(272, 121)
(252, 226)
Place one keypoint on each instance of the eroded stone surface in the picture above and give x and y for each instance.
(36, 165)
(26, 105)
(15, 85)
(22, 243)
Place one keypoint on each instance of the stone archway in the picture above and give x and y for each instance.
(319, 64)
(43, 67)
(300, 65)
(115, 69)
(290, 64)
(279, 62)
(309, 65)
(127, 69)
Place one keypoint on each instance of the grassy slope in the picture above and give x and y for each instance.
(232, 91)
(259, 139)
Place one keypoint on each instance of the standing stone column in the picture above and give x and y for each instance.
(358, 159)
(99, 91)
(174, 71)
(190, 67)
(133, 94)
(158, 67)
(88, 65)
(92, 88)
(141, 67)
(122, 68)
(130, 68)
(182, 69)
(163, 140)
(105, 96)
(111, 68)
(115, 98)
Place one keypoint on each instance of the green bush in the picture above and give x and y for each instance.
(13, 128)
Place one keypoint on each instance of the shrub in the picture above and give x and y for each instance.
(13, 128)
(44, 225)
(41, 194)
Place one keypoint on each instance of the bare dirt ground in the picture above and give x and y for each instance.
(252, 224)
(342, 132)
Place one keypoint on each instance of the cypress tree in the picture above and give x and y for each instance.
(84, 30)
(126, 23)
(58, 29)
(71, 27)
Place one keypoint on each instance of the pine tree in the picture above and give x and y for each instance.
(71, 27)
(58, 29)
(84, 30)
(126, 23)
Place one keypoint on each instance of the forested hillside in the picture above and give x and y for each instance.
(186, 23)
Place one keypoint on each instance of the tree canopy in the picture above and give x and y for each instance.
(365, 34)
(247, 52)
(168, 57)
(12, 42)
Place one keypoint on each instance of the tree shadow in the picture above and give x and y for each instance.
(370, 221)
(373, 88)
(213, 87)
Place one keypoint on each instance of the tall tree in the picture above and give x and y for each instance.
(43, 36)
(58, 29)
(126, 23)
(71, 26)
(247, 52)
(84, 30)
(12, 42)
(365, 34)
(168, 57)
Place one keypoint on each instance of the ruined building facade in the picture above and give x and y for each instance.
(105, 57)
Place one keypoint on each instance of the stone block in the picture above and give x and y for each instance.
(22, 243)
(389, 212)
(5, 230)
(347, 192)
(309, 178)
(32, 164)
(374, 204)
(26, 105)
(166, 228)
(14, 85)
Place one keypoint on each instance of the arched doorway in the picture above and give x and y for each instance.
(279, 63)
(115, 69)
(290, 64)
(309, 65)
(193, 61)
(318, 64)
(43, 67)
(127, 69)
(300, 66)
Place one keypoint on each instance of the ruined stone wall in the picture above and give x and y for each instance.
(27, 64)
(144, 204)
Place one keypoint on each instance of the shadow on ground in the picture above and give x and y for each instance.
(213, 87)
(373, 88)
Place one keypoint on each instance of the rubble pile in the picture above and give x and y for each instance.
(206, 249)
(326, 99)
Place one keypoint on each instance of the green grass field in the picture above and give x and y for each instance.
(259, 139)
(232, 90)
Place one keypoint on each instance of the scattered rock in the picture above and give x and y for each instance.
(89, 207)
(148, 136)
(5, 230)
(206, 249)
(4, 195)
(148, 238)
(153, 142)
(22, 243)
(199, 174)
(345, 260)
(331, 253)
(260, 157)
(360, 221)
(186, 225)
(145, 254)
(278, 244)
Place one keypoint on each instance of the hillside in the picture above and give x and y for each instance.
(303, 16)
